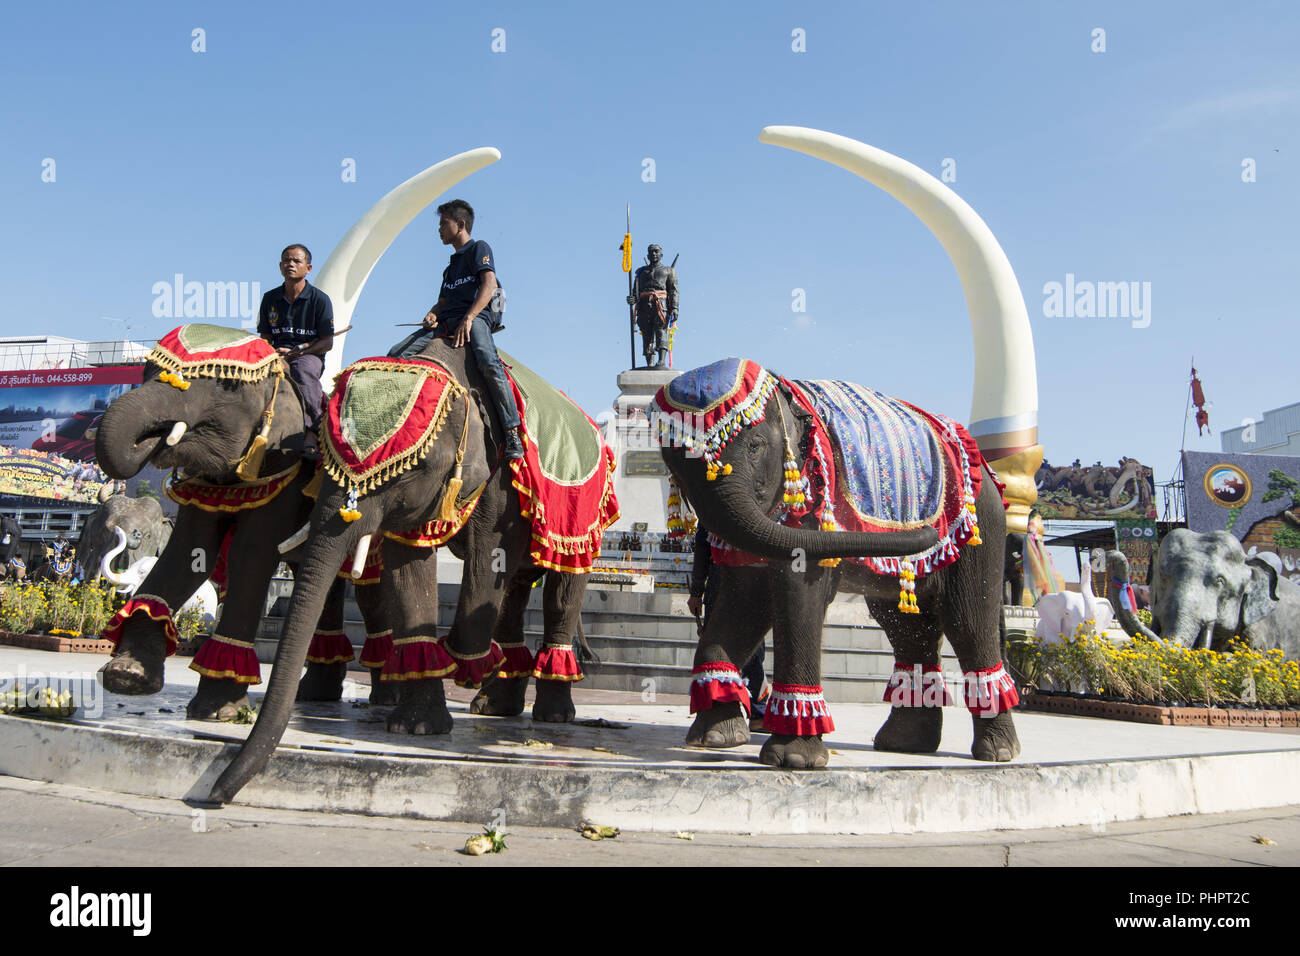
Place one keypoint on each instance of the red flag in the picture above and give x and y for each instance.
(1198, 399)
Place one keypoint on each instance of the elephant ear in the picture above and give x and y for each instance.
(1260, 598)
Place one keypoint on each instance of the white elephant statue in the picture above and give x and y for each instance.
(1061, 613)
(126, 582)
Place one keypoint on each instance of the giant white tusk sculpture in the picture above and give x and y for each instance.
(345, 272)
(1004, 403)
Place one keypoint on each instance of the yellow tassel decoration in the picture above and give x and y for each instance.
(312, 488)
(448, 510)
(251, 463)
(174, 380)
(726, 469)
(349, 514)
(975, 538)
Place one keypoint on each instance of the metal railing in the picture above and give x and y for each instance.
(37, 354)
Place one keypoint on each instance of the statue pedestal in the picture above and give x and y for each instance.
(641, 479)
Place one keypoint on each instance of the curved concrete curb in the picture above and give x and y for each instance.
(757, 800)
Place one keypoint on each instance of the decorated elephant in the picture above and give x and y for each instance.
(1125, 597)
(790, 477)
(216, 405)
(412, 454)
(142, 522)
(1205, 591)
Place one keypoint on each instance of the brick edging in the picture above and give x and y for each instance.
(1156, 714)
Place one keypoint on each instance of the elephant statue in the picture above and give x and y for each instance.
(144, 527)
(129, 580)
(1126, 599)
(1060, 614)
(1205, 591)
(448, 479)
(11, 539)
(216, 406)
(801, 474)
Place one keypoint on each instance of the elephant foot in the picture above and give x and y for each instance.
(554, 704)
(794, 753)
(322, 681)
(421, 709)
(501, 698)
(137, 666)
(722, 725)
(995, 738)
(911, 730)
(383, 693)
(217, 699)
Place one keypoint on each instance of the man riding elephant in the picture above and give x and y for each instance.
(654, 293)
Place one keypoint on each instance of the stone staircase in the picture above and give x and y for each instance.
(646, 641)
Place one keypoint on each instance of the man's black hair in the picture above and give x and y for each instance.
(458, 210)
(297, 245)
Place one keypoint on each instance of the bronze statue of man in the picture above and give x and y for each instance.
(654, 293)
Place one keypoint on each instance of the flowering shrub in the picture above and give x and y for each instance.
(58, 608)
(1146, 670)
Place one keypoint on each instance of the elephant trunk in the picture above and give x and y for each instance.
(315, 576)
(130, 432)
(732, 513)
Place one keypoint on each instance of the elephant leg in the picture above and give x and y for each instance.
(557, 668)
(969, 604)
(379, 642)
(796, 715)
(324, 677)
(410, 590)
(137, 663)
(738, 621)
(504, 696)
(916, 690)
(252, 560)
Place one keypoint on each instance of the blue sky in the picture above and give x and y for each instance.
(1117, 166)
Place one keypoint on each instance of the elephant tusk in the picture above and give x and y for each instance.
(347, 268)
(297, 538)
(1004, 403)
(178, 430)
(359, 559)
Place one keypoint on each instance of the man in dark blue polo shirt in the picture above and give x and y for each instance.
(298, 320)
(461, 314)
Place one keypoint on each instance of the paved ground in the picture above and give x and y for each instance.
(52, 825)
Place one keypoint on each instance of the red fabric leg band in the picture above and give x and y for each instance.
(155, 608)
(329, 647)
(557, 662)
(914, 685)
(798, 710)
(717, 682)
(377, 649)
(417, 658)
(471, 671)
(990, 691)
(225, 658)
(519, 661)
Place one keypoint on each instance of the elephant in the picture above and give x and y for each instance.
(204, 417)
(748, 469)
(497, 543)
(141, 520)
(1125, 600)
(1061, 613)
(1205, 591)
(11, 539)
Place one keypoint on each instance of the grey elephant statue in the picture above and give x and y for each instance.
(215, 405)
(1205, 591)
(140, 519)
(411, 444)
(789, 477)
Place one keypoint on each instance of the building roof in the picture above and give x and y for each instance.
(1273, 432)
